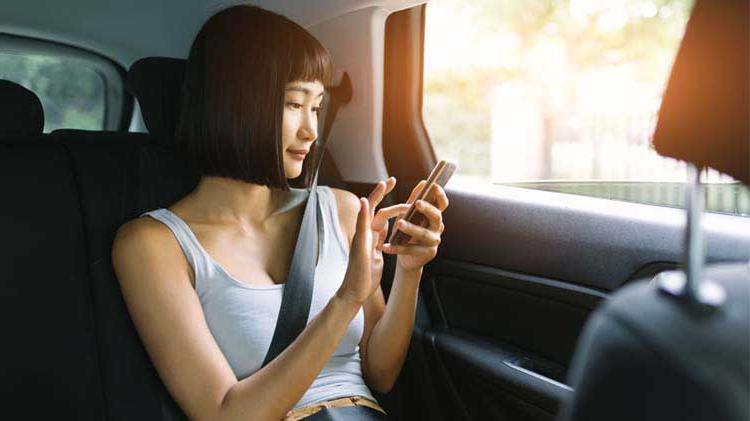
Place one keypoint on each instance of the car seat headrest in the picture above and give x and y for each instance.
(157, 84)
(704, 114)
(21, 112)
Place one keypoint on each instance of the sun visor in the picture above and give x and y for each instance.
(704, 115)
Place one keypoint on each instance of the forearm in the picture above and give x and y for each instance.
(273, 390)
(389, 340)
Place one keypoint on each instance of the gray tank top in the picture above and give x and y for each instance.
(242, 317)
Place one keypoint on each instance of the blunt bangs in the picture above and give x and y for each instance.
(309, 60)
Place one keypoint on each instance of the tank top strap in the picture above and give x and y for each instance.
(331, 223)
(185, 237)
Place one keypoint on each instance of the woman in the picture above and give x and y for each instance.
(203, 279)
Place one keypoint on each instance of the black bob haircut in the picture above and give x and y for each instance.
(232, 101)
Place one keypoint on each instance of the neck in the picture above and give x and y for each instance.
(228, 201)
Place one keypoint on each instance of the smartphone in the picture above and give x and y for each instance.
(439, 175)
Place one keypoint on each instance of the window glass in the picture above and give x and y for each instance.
(72, 94)
(560, 95)
(78, 89)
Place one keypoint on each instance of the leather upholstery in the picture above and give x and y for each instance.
(21, 111)
(645, 355)
(157, 84)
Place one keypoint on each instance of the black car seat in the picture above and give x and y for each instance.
(49, 363)
(678, 347)
(70, 350)
(21, 111)
(156, 82)
(119, 176)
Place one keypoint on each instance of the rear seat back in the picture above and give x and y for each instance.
(49, 367)
(71, 349)
(49, 364)
(121, 175)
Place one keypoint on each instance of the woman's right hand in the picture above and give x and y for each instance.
(366, 256)
(358, 282)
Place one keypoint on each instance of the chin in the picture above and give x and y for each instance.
(293, 173)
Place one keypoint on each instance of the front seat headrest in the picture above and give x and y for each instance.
(21, 112)
(157, 84)
(704, 114)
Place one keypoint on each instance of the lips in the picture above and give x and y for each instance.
(299, 154)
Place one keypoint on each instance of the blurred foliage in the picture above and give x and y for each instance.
(71, 92)
(457, 106)
(647, 34)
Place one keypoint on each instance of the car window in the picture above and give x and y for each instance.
(560, 96)
(77, 90)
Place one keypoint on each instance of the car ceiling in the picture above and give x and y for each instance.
(128, 30)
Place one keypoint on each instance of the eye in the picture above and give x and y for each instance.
(317, 110)
(294, 105)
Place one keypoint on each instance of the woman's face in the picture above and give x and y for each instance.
(299, 127)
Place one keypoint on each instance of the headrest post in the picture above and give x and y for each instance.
(688, 284)
(694, 250)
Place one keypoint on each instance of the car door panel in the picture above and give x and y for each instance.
(516, 278)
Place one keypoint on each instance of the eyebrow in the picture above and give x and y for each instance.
(303, 90)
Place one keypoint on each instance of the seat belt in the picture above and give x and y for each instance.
(298, 290)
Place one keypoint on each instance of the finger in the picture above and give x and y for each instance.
(381, 189)
(420, 235)
(438, 197)
(415, 192)
(381, 236)
(363, 237)
(376, 194)
(433, 214)
(383, 215)
(390, 183)
(410, 249)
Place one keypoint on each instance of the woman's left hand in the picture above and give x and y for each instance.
(423, 244)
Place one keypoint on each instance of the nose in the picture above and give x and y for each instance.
(308, 130)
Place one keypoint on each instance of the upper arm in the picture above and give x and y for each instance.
(348, 208)
(155, 282)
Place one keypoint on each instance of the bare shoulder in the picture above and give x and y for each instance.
(139, 228)
(347, 204)
(145, 242)
(138, 234)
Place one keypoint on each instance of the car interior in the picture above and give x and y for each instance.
(542, 303)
